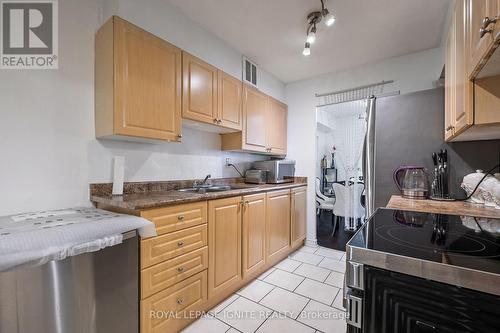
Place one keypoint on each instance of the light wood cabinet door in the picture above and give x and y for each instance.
(448, 85)
(199, 90)
(479, 45)
(134, 97)
(459, 108)
(254, 233)
(255, 119)
(224, 249)
(298, 215)
(170, 272)
(177, 304)
(158, 249)
(276, 127)
(178, 217)
(230, 113)
(463, 115)
(277, 224)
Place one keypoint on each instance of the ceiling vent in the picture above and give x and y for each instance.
(250, 72)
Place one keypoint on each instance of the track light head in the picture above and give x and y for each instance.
(307, 49)
(311, 36)
(329, 18)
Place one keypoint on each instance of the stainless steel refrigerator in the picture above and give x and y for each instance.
(405, 130)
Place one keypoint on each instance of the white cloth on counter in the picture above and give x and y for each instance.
(36, 238)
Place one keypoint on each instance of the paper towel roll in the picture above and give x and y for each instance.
(118, 175)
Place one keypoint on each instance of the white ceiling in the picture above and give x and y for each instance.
(272, 32)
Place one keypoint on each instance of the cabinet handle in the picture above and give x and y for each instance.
(487, 21)
(219, 121)
(179, 136)
(215, 121)
(484, 31)
(179, 244)
(180, 301)
(180, 217)
(180, 269)
(449, 128)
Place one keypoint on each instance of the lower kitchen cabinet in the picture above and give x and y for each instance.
(298, 215)
(254, 234)
(277, 224)
(224, 250)
(170, 310)
(205, 251)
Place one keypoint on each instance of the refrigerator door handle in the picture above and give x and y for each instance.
(369, 157)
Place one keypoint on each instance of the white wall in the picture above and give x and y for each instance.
(167, 22)
(412, 72)
(48, 153)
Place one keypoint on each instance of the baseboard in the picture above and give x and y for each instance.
(311, 242)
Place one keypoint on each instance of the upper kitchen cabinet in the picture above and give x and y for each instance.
(210, 96)
(276, 127)
(199, 91)
(137, 84)
(459, 111)
(472, 74)
(264, 125)
(483, 30)
(230, 107)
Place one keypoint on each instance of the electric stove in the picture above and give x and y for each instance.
(399, 256)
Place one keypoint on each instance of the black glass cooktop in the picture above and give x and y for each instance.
(465, 241)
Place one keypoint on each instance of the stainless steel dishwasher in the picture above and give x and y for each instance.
(90, 293)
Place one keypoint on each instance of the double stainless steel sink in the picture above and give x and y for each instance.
(213, 188)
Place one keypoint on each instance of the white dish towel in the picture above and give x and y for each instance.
(36, 238)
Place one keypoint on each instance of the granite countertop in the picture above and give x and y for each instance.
(142, 196)
(444, 207)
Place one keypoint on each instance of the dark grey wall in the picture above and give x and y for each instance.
(409, 128)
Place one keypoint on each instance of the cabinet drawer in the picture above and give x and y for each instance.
(174, 218)
(157, 249)
(168, 273)
(170, 310)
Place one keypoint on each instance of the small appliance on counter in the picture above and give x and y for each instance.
(278, 171)
(411, 272)
(412, 181)
(254, 176)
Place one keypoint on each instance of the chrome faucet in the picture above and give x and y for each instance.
(204, 182)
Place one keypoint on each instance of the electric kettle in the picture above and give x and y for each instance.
(412, 181)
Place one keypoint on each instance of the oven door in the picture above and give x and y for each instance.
(395, 302)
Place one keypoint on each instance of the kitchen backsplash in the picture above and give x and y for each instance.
(197, 155)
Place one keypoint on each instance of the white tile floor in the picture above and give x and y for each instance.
(301, 294)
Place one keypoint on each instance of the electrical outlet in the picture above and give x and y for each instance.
(228, 161)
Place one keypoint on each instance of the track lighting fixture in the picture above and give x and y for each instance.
(312, 19)
(307, 49)
(311, 36)
(329, 18)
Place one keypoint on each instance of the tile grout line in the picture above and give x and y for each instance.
(314, 328)
(264, 321)
(335, 298)
(315, 299)
(274, 287)
(215, 314)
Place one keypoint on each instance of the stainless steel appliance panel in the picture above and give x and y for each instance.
(278, 171)
(90, 293)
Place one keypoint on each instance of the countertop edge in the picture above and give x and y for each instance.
(119, 203)
(444, 207)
